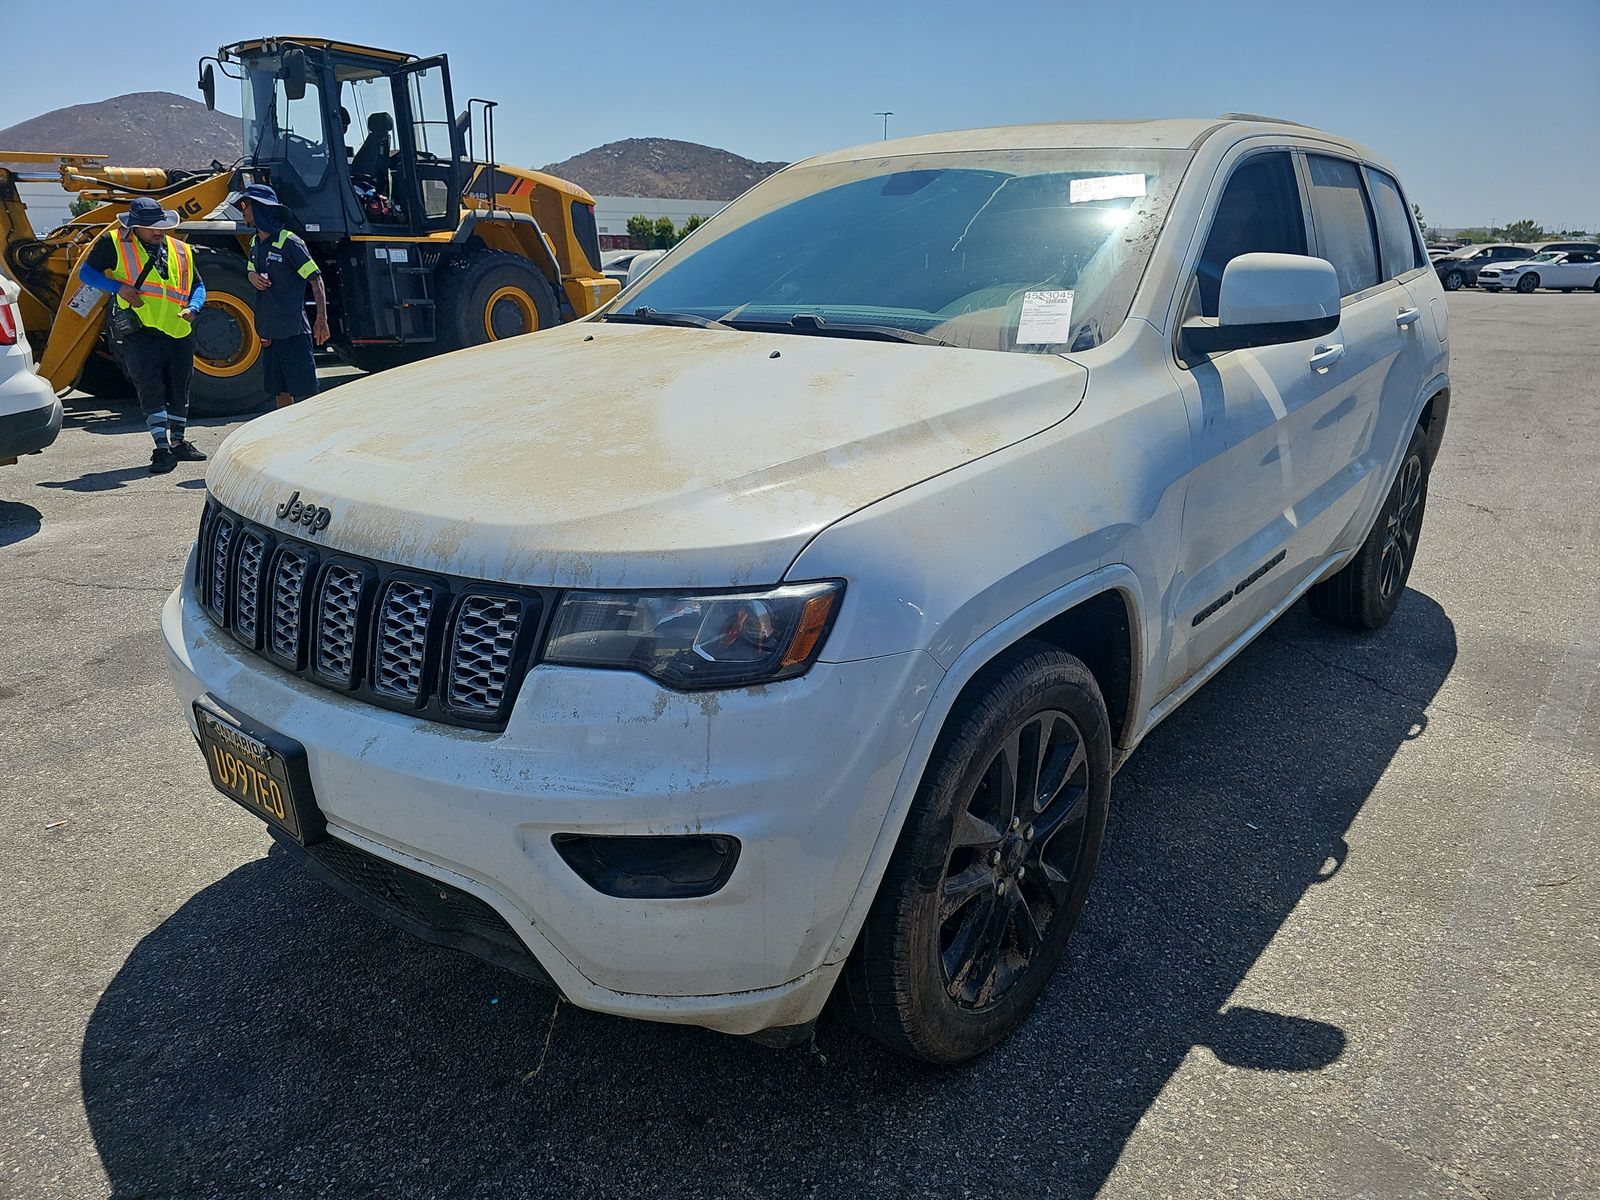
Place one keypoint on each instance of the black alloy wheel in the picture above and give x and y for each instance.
(1364, 593)
(1453, 281)
(1528, 283)
(993, 865)
(1013, 859)
(1402, 524)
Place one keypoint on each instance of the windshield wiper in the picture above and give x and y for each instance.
(815, 323)
(645, 315)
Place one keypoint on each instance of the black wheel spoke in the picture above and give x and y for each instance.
(960, 889)
(973, 831)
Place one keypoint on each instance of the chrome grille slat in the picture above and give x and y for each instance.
(481, 653)
(247, 585)
(402, 646)
(288, 585)
(221, 544)
(338, 606)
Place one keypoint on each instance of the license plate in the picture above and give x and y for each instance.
(260, 770)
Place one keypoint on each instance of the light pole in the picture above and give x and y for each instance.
(885, 116)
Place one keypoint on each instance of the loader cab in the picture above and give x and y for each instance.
(357, 141)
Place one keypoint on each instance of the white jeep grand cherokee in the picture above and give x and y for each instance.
(777, 633)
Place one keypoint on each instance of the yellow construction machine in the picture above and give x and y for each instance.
(425, 246)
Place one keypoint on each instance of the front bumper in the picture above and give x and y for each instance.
(801, 772)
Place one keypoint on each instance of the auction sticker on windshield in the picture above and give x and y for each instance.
(1046, 318)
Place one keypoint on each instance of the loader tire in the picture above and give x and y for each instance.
(229, 379)
(489, 296)
(101, 377)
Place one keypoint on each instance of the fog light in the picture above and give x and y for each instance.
(650, 868)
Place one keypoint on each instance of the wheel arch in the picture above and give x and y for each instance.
(1084, 618)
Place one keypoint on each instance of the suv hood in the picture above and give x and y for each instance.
(600, 455)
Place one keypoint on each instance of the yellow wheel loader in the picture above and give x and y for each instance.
(425, 246)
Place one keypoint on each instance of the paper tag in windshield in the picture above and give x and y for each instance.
(1105, 187)
(1046, 319)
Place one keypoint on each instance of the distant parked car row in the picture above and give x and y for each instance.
(1563, 270)
(1462, 268)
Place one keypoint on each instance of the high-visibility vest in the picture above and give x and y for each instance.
(165, 293)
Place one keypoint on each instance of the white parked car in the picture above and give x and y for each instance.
(30, 414)
(1564, 270)
(785, 637)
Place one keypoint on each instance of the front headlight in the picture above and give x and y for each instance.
(697, 639)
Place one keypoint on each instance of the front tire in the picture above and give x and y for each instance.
(994, 863)
(1367, 590)
(229, 379)
(1528, 283)
(1453, 281)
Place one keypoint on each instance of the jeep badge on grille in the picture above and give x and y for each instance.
(297, 512)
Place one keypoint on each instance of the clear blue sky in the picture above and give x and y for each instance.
(1491, 108)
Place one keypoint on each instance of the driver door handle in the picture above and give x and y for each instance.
(1407, 316)
(1325, 356)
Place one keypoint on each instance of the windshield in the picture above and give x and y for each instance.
(277, 129)
(1547, 256)
(1033, 251)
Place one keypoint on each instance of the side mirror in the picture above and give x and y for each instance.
(293, 73)
(208, 86)
(1266, 300)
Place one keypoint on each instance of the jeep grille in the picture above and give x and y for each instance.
(440, 647)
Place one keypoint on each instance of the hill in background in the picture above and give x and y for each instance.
(141, 129)
(161, 129)
(663, 168)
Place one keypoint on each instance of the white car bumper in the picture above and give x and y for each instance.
(30, 415)
(801, 772)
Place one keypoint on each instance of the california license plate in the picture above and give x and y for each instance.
(260, 770)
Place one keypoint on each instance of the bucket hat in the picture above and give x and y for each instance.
(260, 193)
(146, 213)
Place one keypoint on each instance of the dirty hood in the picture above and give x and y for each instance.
(603, 455)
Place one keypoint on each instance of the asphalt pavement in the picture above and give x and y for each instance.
(1343, 941)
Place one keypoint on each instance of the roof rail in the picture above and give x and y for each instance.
(1259, 117)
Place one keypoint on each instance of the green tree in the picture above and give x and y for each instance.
(82, 205)
(666, 234)
(1422, 222)
(1473, 236)
(689, 226)
(1524, 231)
(642, 232)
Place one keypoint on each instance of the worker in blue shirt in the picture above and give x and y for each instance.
(152, 275)
(281, 268)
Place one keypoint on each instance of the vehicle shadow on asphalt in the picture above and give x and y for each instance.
(18, 522)
(271, 1034)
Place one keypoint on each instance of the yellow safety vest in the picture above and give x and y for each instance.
(165, 293)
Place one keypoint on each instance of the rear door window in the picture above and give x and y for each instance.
(1260, 212)
(1396, 236)
(1345, 230)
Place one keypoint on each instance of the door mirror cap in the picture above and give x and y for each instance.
(293, 73)
(208, 86)
(1267, 300)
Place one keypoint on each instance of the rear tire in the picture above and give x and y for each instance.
(490, 296)
(993, 866)
(1453, 281)
(1528, 283)
(1566, 291)
(229, 379)
(1367, 590)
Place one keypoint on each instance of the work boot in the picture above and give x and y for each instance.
(162, 460)
(186, 451)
